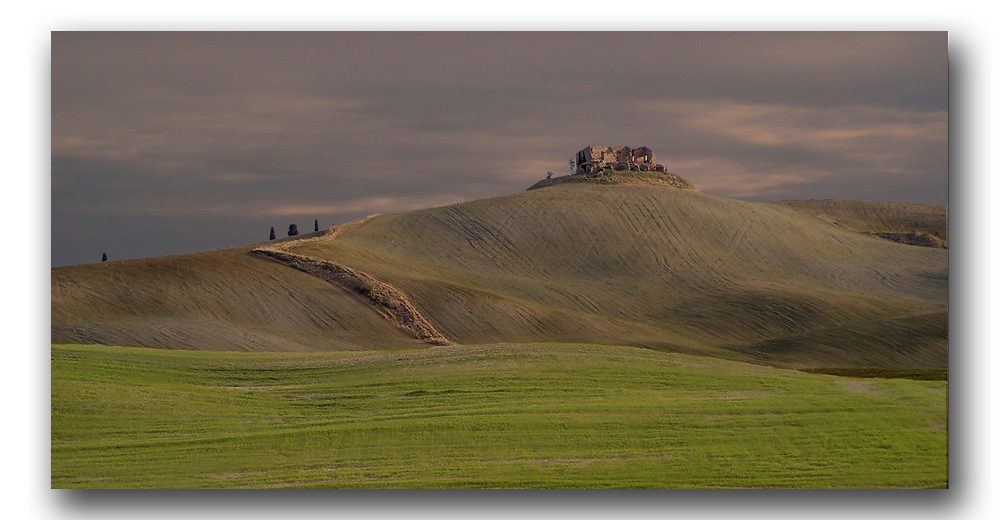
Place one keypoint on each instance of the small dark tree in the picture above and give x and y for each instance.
(293, 230)
(316, 225)
(272, 232)
(104, 257)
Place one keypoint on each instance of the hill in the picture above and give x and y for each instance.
(630, 177)
(668, 269)
(217, 300)
(877, 217)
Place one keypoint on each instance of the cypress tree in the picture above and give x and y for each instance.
(316, 224)
(293, 230)
(272, 232)
(104, 257)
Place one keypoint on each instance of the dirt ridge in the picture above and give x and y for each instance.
(912, 238)
(391, 303)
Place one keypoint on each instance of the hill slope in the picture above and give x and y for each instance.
(608, 177)
(877, 217)
(637, 265)
(217, 300)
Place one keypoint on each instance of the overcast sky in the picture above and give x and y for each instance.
(166, 143)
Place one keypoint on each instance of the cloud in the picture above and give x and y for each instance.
(842, 130)
(734, 179)
(236, 177)
(369, 205)
(765, 149)
(163, 127)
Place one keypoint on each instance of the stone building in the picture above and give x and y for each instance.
(596, 158)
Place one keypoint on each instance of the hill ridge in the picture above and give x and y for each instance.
(389, 302)
(915, 224)
(619, 177)
(668, 269)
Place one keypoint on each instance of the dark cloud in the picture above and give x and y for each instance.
(188, 141)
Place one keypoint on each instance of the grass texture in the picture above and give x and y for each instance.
(487, 416)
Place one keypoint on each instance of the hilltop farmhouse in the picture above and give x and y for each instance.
(596, 158)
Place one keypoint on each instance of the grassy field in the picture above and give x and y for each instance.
(502, 415)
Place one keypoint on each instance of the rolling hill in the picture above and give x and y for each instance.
(877, 217)
(662, 268)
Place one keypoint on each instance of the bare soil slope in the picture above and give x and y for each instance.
(616, 264)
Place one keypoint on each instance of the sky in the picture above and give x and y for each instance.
(168, 143)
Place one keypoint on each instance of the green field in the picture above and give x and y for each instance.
(500, 415)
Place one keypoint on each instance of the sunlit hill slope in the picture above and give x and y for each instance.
(655, 267)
